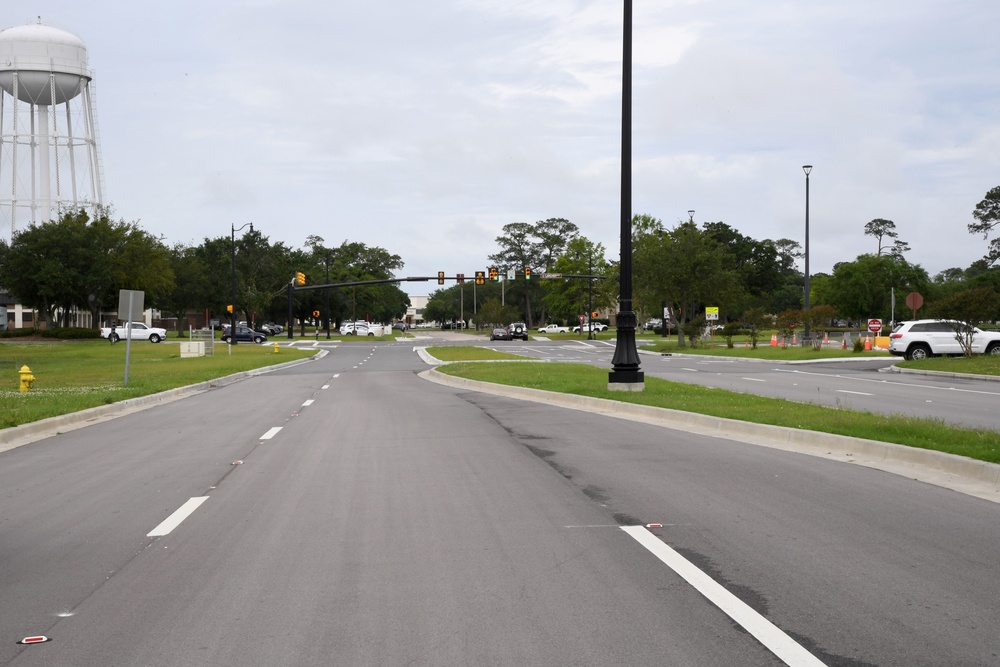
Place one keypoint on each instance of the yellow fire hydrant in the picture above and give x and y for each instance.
(26, 378)
(276, 347)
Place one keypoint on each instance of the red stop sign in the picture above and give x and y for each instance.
(875, 326)
(914, 300)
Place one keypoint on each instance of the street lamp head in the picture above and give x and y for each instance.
(807, 168)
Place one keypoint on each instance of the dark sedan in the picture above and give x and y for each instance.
(500, 334)
(244, 335)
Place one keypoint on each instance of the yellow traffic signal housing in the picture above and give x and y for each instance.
(300, 278)
(480, 277)
(229, 308)
(440, 277)
(594, 315)
(494, 273)
(527, 273)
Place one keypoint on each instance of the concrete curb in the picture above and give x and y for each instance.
(976, 478)
(17, 436)
(945, 374)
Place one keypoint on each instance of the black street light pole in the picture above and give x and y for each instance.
(625, 374)
(805, 335)
(590, 305)
(232, 252)
(326, 296)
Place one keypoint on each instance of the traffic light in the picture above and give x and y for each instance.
(527, 273)
(594, 315)
(494, 273)
(440, 277)
(300, 278)
(460, 278)
(229, 308)
(480, 277)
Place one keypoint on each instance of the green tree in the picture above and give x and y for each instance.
(882, 229)
(568, 298)
(987, 215)
(78, 263)
(687, 268)
(967, 309)
(863, 288)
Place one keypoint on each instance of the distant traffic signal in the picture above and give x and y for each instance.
(229, 308)
(480, 277)
(440, 277)
(460, 278)
(594, 315)
(494, 273)
(300, 278)
(527, 273)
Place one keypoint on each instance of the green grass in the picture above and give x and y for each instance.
(584, 380)
(984, 364)
(763, 351)
(464, 353)
(72, 376)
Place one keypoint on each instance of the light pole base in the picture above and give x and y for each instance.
(626, 381)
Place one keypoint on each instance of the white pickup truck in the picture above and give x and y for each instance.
(137, 331)
(553, 328)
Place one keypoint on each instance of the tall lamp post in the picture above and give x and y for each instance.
(805, 336)
(232, 256)
(625, 374)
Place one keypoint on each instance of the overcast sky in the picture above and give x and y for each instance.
(425, 126)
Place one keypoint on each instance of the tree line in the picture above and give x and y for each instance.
(753, 282)
(78, 264)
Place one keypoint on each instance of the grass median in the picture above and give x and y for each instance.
(73, 376)
(925, 433)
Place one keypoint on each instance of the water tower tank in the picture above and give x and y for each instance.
(49, 158)
(41, 56)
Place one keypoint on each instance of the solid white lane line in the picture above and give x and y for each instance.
(270, 433)
(175, 519)
(307, 403)
(783, 646)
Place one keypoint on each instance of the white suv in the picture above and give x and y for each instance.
(920, 339)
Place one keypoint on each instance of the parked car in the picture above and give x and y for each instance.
(135, 331)
(518, 330)
(553, 328)
(920, 339)
(500, 334)
(271, 329)
(591, 326)
(244, 334)
(356, 329)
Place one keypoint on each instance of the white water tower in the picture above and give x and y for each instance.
(49, 159)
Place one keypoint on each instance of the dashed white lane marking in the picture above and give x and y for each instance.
(270, 433)
(307, 403)
(753, 379)
(783, 646)
(175, 519)
(326, 386)
(859, 393)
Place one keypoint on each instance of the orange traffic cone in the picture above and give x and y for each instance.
(746, 344)
(826, 338)
(774, 340)
(843, 344)
(795, 339)
(868, 343)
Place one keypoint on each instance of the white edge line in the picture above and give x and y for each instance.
(270, 433)
(175, 519)
(783, 646)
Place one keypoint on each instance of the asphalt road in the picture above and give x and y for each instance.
(348, 512)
